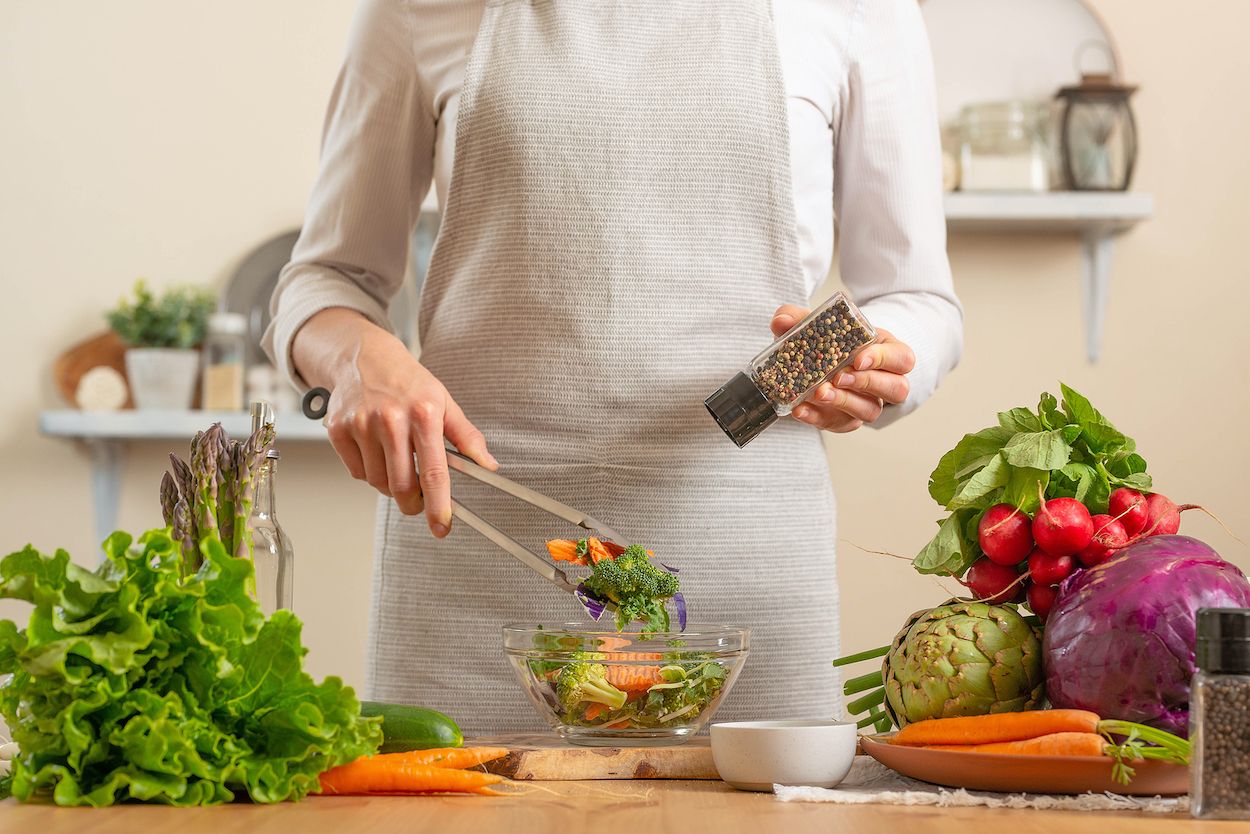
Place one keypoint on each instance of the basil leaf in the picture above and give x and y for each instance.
(1038, 450)
(969, 455)
(1019, 419)
(988, 479)
(1021, 489)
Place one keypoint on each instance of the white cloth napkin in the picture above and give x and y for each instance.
(872, 783)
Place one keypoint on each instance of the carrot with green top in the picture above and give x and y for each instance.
(368, 775)
(1054, 744)
(997, 727)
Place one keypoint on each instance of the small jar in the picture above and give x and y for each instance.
(1219, 716)
(792, 367)
(1003, 147)
(273, 557)
(225, 352)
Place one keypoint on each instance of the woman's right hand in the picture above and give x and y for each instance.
(385, 407)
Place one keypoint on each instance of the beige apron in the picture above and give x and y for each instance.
(619, 230)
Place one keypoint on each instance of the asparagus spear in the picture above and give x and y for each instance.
(204, 471)
(247, 469)
(184, 534)
(182, 475)
(169, 497)
(226, 493)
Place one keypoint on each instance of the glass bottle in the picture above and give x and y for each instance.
(273, 558)
(784, 374)
(1219, 716)
(225, 349)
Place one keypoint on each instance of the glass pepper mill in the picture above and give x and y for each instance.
(272, 554)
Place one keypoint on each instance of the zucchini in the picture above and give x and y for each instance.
(412, 728)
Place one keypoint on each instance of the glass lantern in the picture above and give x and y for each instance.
(1097, 134)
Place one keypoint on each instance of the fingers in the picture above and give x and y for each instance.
(887, 354)
(787, 316)
(465, 436)
(833, 409)
(427, 429)
(392, 430)
(884, 385)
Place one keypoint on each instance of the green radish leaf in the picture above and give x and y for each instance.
(1079, 409)
(1019, 420)
(949, 552)
(1083, 477)
(1104, 438)
(1021, 490)
(1038, 450)
(991, 476)
(1048, 412)
(1139, 481)
(969, 455)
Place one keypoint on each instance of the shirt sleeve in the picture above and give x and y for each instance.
(888, 193)
(377, 160)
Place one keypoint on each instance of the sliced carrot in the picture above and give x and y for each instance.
(1054, 744)
(596, 551)
(633, 678)
(616, 725)
(565, 550)
(612, 644)
(367, 775)
(613, 548)
(999, 727)
(452, 757)
(593, 710)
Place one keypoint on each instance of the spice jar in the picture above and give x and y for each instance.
(225, 350)
(792, 367)
(1003, 147)
(1219, 716)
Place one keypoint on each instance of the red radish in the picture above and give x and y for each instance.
(1164, 517)
(1042, 599)
(1045, 569)
(1128, 506)
(992, 582)
(1062, 527)
(1005, 534)
(1109, 536)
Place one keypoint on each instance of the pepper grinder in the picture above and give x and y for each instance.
(272, 555)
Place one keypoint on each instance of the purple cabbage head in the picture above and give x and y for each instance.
(1120, 638)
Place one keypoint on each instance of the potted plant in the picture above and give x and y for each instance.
(162, 335)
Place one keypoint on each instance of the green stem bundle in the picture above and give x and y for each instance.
(212, 495)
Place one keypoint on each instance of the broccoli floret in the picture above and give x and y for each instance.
(584, 680)
(636, 586)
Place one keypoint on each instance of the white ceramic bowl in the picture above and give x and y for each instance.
(755, 755)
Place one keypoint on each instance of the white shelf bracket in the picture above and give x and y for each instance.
(107, 459)
(1096, 248)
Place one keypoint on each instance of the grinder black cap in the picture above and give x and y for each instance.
(1223, 644)
(741, 409)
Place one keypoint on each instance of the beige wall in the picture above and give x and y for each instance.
(163, 139)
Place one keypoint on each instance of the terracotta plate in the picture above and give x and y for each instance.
(1024, 774)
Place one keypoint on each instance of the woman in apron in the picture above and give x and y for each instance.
(620, 227)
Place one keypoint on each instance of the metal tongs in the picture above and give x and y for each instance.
(315, 410)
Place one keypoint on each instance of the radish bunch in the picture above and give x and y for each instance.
(1025, 558)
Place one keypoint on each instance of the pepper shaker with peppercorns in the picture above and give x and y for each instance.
(791, 368)
(1219, 716)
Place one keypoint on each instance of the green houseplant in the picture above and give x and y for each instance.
(162, 333)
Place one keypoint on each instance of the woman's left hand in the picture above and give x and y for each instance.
(858, 394)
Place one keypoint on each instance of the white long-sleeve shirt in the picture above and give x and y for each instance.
(863, 139)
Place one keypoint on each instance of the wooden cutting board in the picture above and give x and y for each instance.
(547, 758)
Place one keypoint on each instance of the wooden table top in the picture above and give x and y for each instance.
(546, 807)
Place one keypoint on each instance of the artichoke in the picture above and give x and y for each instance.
(963, 658)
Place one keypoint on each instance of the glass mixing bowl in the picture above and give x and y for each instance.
(605, 688)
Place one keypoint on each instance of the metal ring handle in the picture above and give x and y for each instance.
(316, 403)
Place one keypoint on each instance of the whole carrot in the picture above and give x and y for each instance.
(367, 775)
(999, 727)
(1054, 744)
(451, 757)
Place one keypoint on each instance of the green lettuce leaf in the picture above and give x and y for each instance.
(132, 683)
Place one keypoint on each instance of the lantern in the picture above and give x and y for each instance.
(1097, 134)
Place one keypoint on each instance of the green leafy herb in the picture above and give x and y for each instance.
(177, 319)
(131, 682)
(1064, 448)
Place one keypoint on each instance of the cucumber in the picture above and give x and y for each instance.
(412, 728)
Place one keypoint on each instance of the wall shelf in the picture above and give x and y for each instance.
(1097, 217)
